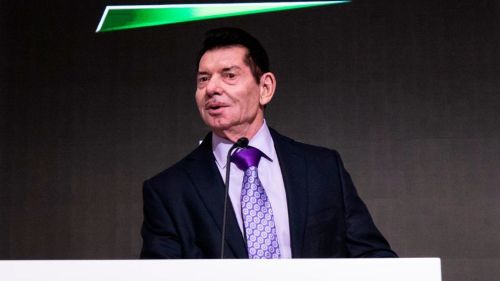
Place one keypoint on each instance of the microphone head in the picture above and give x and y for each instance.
(242, 142)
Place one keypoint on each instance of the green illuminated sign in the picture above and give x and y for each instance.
(126, 17)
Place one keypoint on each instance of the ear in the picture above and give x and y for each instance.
(267, 87)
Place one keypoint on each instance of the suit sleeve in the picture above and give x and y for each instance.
(160, 239)
(362, 236)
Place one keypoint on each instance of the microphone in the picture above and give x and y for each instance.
(240, 143)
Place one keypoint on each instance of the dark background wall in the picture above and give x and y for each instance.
(407, 91)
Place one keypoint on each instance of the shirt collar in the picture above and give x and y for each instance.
(262, 140)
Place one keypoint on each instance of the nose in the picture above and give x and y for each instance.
(213, 86)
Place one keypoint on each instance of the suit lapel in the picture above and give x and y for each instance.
(293, 169)
(207, 180)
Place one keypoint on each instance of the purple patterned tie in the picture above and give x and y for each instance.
(260, 231)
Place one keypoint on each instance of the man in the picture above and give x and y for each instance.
(291, 200)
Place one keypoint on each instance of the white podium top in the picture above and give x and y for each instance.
(397, 269)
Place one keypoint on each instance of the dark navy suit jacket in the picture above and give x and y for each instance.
(183, 208)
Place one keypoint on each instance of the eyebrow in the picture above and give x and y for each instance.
(233, 67)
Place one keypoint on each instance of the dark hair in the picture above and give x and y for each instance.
(256, 57)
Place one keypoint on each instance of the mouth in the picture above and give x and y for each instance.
(214, 108)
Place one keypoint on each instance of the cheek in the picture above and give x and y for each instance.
(253, 102)
(199, 99)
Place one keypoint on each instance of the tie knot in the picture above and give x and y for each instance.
(247, 157)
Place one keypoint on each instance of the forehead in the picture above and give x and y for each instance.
(223, 57)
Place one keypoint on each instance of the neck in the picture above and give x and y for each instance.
(235, 133)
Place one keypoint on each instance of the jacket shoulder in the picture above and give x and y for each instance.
(179, 169)
(308, 150)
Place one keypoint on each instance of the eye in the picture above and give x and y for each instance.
(230, 75)
(202, 79)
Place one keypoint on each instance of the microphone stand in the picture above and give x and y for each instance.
(241, 143)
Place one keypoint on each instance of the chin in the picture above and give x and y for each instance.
(219, 128)
(217, 125)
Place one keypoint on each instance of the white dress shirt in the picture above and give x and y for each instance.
(270, 177)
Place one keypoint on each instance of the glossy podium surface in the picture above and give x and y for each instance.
(407, 269)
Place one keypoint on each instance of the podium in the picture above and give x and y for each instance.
(393, 269)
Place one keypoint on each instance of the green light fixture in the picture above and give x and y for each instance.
(127, 17)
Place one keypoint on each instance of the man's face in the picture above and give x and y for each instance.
(227, 95)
